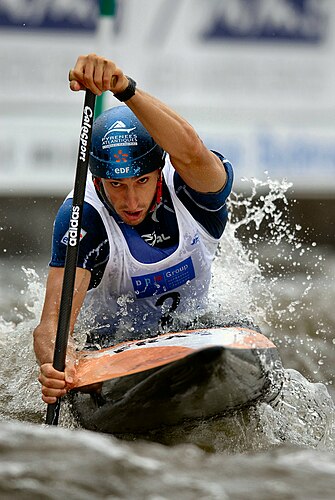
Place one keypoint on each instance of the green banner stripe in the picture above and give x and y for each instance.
(107, 7)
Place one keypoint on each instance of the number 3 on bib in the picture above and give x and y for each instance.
(173, 300)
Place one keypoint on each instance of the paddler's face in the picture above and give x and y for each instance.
(132, 198)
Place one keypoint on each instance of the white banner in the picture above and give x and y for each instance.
(255, 77)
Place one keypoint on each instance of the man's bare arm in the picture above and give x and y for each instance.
(54, 383)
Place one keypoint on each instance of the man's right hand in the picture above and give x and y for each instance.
(55, 384)
(98, 74)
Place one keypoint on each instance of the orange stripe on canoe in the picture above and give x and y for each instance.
(92, 370)
(135, 356)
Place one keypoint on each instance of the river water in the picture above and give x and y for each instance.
(284, 450)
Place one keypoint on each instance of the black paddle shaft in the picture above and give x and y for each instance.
(73, 240)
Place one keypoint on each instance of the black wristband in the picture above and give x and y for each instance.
(128, 92)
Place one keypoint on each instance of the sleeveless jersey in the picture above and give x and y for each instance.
(137, 299)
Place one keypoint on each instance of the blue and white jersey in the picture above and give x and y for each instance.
(141, 273)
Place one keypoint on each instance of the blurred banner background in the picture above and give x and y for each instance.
(255, 77)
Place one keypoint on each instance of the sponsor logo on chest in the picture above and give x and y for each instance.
(165, 280)
(152, 238)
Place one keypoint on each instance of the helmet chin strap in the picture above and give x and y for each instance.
(97, 183)
(159, 192)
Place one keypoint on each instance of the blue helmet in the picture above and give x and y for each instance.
(121, 147)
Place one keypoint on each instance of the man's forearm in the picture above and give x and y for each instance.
(172, 132)
(44, 343)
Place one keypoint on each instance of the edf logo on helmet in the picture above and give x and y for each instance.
(122, 170)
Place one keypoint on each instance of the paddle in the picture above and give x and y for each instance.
(72, 247)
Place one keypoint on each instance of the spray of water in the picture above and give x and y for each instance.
(20, 389)
(260, 248)
(251, 273)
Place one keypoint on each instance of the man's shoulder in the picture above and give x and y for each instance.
(208, 209)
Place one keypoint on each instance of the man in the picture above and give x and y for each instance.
(154, 213)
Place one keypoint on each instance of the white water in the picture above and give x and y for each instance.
(285, 450)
